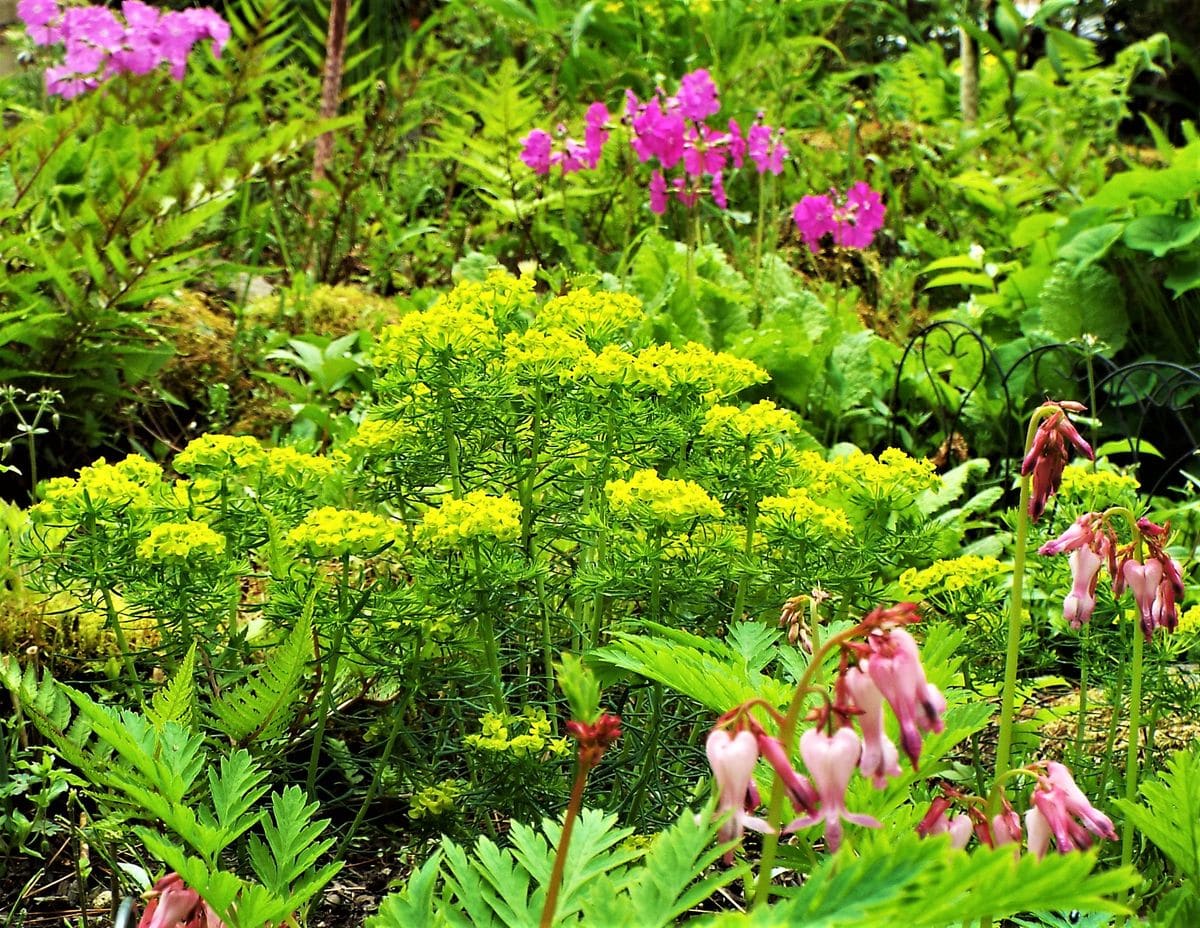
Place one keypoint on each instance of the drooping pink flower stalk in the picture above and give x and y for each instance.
(1065, 813)
(765, 148)
(174, 905)
(851, 220)
(732, 758)
(831, 760)
(894, 666)
(1047, 455)
(879, 759)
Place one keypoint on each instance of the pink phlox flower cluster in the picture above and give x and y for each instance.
(540, 151)
(97, 44)
(1154, 578)
(1060, 810)
(851, 220)
(1047, 455)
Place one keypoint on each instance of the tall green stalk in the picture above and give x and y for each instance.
(1131, 753)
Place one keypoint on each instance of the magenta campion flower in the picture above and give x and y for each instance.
(717, 185)
(42, 19)
(697, 96)
(831, 760)
(595, 133)
(732, 758)
(813, 216)
(658, 193)
(894, 666)
(765, 148)
(535, 151)
(737, 144)
(879, 759)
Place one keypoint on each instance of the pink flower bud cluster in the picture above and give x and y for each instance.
(1047, 455)
(851, 220)
(889, 670)
(97, 44)
(540, 151)
(1058, 809)
(1143, 566)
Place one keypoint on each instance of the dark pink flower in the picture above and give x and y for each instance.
(697, 96)
(535, 151)
(42, 19)
(737, 144)
(718, 190)
(1082, 532)
(813, 216)
(658, 193)
(175, 905)
(595, 133)
(895, 668)
(1048, 455)
(1143, 580)
(831, 760)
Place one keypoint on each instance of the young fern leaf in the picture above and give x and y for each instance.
(1171, 814)
(235, 787)
(285, 863)
(666, 883)
(262, 706)
(176, 702)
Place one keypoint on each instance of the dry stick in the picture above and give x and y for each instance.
(331, 84)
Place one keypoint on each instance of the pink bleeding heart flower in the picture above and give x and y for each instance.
(800, 792)
(879, 759)
(831, 761)
(732, 758)
(1048, 454)
(1144, 580)
(1067, 813)
(1085, 571)
(175, 905)
(895, 668)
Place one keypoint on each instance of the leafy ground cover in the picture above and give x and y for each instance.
(609, 464)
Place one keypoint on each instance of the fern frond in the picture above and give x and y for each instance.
(262, 706)
(1170, 816)
(176, 702)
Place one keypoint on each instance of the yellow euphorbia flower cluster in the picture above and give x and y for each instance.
(951, 575)
(171, 542)
(647, 495)
(99, 487)
(220, 453)
(497, 735)
(596, 317)
(476, 515)
(332, 532)
(799, 509)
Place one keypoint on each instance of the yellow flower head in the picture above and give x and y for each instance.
(476, 515)
(1189, 621)
(295, 468)
(332, 532)
(798, 511)
(756, 427)
(950, 575)
(446, 328)
(598, 318)
(500, 297)
(892, 473)
(110, 488)
(212, 454)
(380, 435)
(436, 800)
(499, 734)
(646, 495)
(537, 354)
(1098, 489)
(174, 542)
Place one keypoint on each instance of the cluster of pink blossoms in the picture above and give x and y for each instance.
(540, 151)
(887, 668)
(1048, 455)
(672, 131)
(1143, 566)
(1058, 809)
(851, 220)
(98, 45)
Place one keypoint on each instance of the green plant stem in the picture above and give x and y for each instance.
(1016, 608)
(564, 841)
(650, 754)
(376, 779)
(739, 600)
(451, 440)
(114, 622)
(335, 653)
(487, 629)
(1131, 754)
(1081, 721)
(787, 737)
